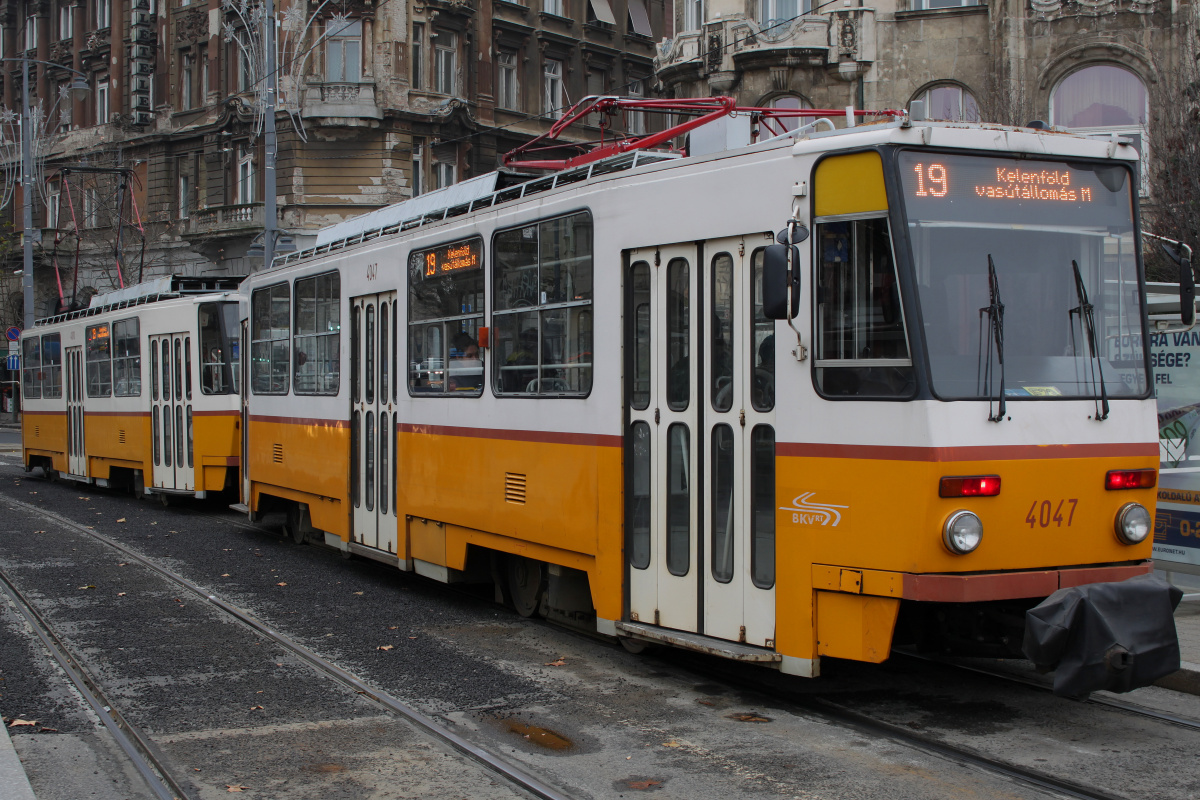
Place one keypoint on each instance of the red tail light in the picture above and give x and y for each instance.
(1130, 479)
(970, 486)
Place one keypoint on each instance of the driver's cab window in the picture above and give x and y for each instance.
(862, 347)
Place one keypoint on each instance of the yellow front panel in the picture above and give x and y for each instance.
(855, 626)
(217, 443)
(45, 434)
(850, 184)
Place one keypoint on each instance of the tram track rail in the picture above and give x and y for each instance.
(494, 762)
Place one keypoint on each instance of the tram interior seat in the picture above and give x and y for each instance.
(547, 385)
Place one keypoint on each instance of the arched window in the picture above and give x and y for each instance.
(1104, 98)
(789, 101)
(777, 12)
(950, 102)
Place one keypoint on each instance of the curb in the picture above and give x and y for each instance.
(14, 785)
(1186, 679)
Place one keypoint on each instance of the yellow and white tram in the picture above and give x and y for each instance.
(573, 382)
(138, 390)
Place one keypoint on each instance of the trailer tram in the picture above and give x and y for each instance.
(589, 387)
(139, 390)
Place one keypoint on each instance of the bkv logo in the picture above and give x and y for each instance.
(808, 513)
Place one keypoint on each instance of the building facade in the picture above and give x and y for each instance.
(159, 169)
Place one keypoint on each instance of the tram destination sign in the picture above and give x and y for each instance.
(449, 258)
(945, 186)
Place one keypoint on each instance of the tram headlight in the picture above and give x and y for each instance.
(962, 532)
(1133, 523)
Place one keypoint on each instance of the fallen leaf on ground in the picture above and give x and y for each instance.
(235, 788)
(16, 723)
(671, 743)
(39, 531)
(120, 594)
(646, 784)
(85, 498)
(281, 583)
(122, 519)
(384, 647)
(47, 730)
(412, 637)
(89, 586)
(224, 574)
(558, 662)
(121, 564)
(256, 708)
(153, 523)
(358, 592)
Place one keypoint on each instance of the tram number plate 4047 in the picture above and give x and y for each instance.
(1052, 513)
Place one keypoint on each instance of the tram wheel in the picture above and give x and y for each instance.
(293, 528)
(525, 584)
(635, 646)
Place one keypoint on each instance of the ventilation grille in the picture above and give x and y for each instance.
(277, 453)
(121, 435)
(514, 488)
(37, 431)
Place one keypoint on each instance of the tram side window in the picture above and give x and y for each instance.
(762, 337)
(31, 374)
(445, 312)
(219, 348)
(127, 358)
(270, 334)
(542, 320)
(52, 387)
(318, 334)
(862, 345)
(98, 354)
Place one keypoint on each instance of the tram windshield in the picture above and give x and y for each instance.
(1034, 219)
(219, 348)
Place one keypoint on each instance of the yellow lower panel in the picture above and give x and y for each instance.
(45, 434)
(855, 626)
(217, 442)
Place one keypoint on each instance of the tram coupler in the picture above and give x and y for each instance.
(1105, 636)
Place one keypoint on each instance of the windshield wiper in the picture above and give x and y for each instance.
(995, 336)
(1087, 318)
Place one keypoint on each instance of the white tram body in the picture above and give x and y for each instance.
(138, 390)
(573, 380)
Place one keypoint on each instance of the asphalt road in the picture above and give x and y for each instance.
(233, 711)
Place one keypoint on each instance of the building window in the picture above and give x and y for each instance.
(597, 83)
(53, 193)
(418, 56)
(65, 28)
(639, 19)
(31, 33)
(554, 7)
(127, 358)
(443, 174)
(245, 73)
(103, 14)
(787, 102)
(270, 334)
(1105, 99)
(187, 72)
(444, 62)
(101, 99)
(951, 103)
(926, 5)
(318, 334)
(245, 175)
(542, 316)
(552, 89)
(635, 121)
(445, 312)
(343, 51)
(204, 87)
(185, 196)
(693, 14)
(777, 12)
(91, 207)
(418, 167)
(98, 355)
(506, 90)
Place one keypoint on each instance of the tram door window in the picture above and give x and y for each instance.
(171, 412)
(373, 415)
(700, 444)
(76, 451)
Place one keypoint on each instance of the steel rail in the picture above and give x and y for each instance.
(147, 759)
(493, 762)
(1110, 702)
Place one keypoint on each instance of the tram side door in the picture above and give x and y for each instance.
(171, 412)
(373, 417)
(663, 501)
(76, 449)
(737, 395)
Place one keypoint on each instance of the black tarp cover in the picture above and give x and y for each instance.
(1112, 636)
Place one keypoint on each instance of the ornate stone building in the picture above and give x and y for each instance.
(378, 100)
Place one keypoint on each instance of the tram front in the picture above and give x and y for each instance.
(983, 316)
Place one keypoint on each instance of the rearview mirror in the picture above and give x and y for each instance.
(775, 281)
(1187, 285)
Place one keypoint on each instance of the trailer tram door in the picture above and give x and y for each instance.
(373, 414)
(76, 449)
(171, 412)
(738, 393)
(661, 459)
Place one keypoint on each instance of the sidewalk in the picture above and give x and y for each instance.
(13, 783)
(1187, 626)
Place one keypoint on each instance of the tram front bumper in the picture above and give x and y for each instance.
(1111, 636)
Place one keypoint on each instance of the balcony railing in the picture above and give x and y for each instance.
(226, 219)
(341, 100)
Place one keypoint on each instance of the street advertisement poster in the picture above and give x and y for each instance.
(1175, 360)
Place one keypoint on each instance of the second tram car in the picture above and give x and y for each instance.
(138, 390)
(575, 386)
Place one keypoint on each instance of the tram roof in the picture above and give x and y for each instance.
(152, 291)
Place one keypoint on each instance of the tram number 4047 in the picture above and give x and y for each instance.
(1047, 513)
